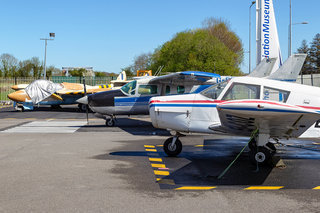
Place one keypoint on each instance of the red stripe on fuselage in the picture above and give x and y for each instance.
(187, 101)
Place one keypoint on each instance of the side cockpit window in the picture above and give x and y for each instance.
(129, 88)
(273, 94)
(242, 91)
(214, 91)
(148, 89)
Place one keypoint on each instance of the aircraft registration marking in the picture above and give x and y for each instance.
(264, 188)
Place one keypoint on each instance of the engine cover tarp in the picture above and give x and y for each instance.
(39, 90)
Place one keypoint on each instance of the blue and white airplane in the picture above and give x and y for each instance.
(133, 98)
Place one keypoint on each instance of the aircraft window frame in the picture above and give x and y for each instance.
(279, 90)
(258, 91)
(181, 89)
(214, 91)
(129, 90)
(168, 90)
(151, 87)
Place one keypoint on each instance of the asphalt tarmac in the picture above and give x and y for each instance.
(53, 161)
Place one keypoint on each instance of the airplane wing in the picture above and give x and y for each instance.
(81, 92)
(291, 68)
(186, 77)
(278, 119)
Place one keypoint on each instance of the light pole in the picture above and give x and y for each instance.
(252, 3)
(52, 35)
(290, 31)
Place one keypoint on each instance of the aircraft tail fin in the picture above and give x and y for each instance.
(122, 76)
(268, 45)
(291, 68)
(264, 68)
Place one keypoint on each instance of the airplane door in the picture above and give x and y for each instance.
(204, 113)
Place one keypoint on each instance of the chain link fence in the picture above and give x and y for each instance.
(6, 83)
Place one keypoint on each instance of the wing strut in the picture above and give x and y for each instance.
(253, 135)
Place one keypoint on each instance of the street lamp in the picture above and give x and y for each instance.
(252, 3)
(290, 31)
(52, 36)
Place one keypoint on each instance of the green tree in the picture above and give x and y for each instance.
(315, 53)
(307, 66)
(53, 71)
(37, 67)
(100, 74)
(142, 62)
(197, 50)
(8, 65)
(78, 72)
(129, 71)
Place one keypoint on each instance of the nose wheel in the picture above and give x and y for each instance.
(110, 122)
(172, 146)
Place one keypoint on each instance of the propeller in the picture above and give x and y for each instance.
(85, 94)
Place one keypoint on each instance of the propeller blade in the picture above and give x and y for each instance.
(85, 93)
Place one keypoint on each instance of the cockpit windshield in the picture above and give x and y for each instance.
(214, 91)
(129, 88)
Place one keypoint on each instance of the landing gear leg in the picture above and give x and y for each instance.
(172, 146)
(261, 150)
(110, 121)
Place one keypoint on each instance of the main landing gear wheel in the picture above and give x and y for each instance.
(262, 155)
(110, 122)
(82, 107)
(171, 149)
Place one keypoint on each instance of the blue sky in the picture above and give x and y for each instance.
(108, 34)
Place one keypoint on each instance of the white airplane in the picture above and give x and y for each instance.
(245, 105)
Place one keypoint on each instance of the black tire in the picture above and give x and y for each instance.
(82, 107)
(110, 122)
(262, 156)
(172, 151)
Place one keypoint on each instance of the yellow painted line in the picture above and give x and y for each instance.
(155, 159)
(264, 188)
(9, 118)
(30, 118)
(157, 172)
(317, 188)
(158, 165)
(160, 145)
(199, 146)
(316, 143)
(166, 181)
(151, 150)
(196, 188)
(149, 146)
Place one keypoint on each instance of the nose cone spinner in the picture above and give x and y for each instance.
(19, 96)
(83, 100)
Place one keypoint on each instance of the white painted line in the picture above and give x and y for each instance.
(51, 126)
